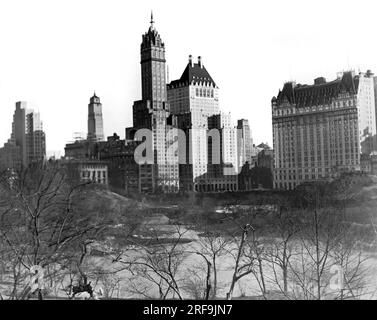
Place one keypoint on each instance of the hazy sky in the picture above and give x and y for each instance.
(55, 53)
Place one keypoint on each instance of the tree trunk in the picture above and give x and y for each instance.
(262, 277)
(285, 279)
(229, 295)
(214, 291)
(235, 278)
(40, 294)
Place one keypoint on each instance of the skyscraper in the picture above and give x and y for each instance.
(320, 130)
(95, 120)
(27, 143)
(223, 176)
(194, 99)
(152, 112)
(244, 142)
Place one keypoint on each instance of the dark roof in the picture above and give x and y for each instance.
(263, 146)
(94, 98)
(194, 73)
(152, 37)
(317, 94)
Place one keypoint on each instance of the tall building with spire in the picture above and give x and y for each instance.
(95, 120)
(152, 112)
(153, 70)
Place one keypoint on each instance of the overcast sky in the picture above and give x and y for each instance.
(55, 53)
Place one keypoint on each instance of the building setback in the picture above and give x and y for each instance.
(321, 130)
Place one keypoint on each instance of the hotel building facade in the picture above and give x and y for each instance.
(321, 130)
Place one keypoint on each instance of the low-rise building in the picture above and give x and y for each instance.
(83, 170)
(119, 155)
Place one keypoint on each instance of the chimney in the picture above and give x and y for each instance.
(200, 63)
(319, 80)
(190, 60)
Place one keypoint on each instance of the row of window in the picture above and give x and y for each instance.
(93, 174)
(338, 104)
(214, 187)
(203, 92)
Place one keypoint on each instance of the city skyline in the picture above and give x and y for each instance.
(175, 151)
(59, 70)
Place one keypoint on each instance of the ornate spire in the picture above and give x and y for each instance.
(152, 21)
(94, 98)
(151, 37)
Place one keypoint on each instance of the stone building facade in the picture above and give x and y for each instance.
(85, 170)
(194, 99)
(321, 130)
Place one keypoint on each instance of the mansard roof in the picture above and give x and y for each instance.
(320, 93)
(194, 73)
(263, 146)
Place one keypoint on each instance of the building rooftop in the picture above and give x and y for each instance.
(321, 92)
(263, 146)
(152, 37)
(194, 73)
(95, 98)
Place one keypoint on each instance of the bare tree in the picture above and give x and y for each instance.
(198, 280)
(280, 248)
(158, 263)
(244, 261)
(41, 223)
(212, 246)
(350, 264)
(323, 243)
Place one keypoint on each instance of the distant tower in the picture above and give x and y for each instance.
(95, 121)
(27, 143)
